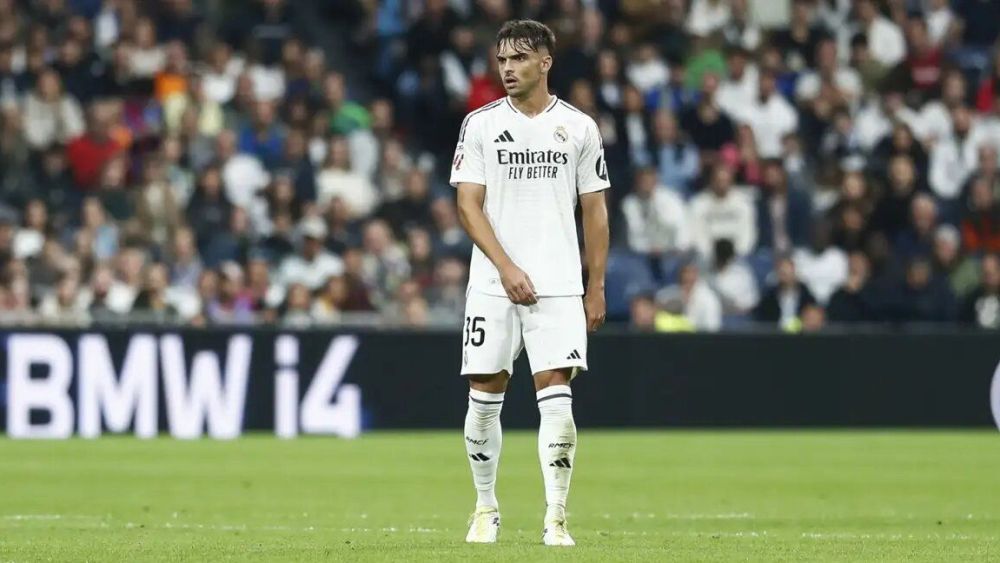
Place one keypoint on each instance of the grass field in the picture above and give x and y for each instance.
(650, 496)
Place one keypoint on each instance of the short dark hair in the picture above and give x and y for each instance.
(527, 35)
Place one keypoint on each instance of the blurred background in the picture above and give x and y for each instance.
(791, 165)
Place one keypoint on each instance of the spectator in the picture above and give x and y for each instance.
(50, 115)
(981, 223)
(722, 213)
(918, 237)
(209, 209)
(798, 41)
(90, 152)
(62, 306)
(770, 116)
(783, 214)
(642, 313)
(30, 238)
(822, 267)
(921, 298)
(733, 281)
(982, 307)
(886, 40)
(384, 264)
(312, 265)
(677, 159)
(892, 212)
(692, 300)
(656, 218)
(337, 179)
(960, 272)
(243, 175)
(413, 209)
(854, 301)
(152, 302)
(784, 302)
(232, 304)
(185, 264)
(295, 311)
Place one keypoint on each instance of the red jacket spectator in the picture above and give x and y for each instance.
(87, 155)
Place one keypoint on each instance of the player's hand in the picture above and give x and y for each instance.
(518, 285)
(595, 308)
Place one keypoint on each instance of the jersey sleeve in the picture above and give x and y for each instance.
(592, 170)
(468, 164)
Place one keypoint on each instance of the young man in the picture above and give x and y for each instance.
(521, 165)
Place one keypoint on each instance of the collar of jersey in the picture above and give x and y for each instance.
(552, 104)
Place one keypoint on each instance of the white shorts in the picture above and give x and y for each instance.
(554, 331)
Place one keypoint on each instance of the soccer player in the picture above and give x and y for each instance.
(521, 165)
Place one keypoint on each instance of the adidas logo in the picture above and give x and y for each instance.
(564, 463)
(479, 457)
(504, 137)
(574, 356)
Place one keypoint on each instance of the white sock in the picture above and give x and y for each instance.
(482, 443)
(556, 447)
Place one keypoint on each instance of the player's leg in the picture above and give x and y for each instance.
(556, 339)
(483, 435)
(491, 342)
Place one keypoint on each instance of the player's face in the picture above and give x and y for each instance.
(521, 70)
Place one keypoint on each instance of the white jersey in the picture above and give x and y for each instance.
(533, 169)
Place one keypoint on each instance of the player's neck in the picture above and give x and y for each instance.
(534, 103)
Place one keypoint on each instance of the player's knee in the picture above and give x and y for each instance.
(551, 377)
(489, 382)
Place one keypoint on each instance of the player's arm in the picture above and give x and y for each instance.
(596, 237)
(515, 282)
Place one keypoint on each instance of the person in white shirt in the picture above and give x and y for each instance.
(828, 70)
(770, 116)
(740, 87)
(339, 179)
(707, 16)
(722, 212)
(521, 167)
(822, 267)
(656, 217)
(733, 280)
(952, 159)
(243, 175)
(940, 20)
(885, 39)
(313, 265)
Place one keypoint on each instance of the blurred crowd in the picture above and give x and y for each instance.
(795, 164)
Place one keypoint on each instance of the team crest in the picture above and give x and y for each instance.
(561, 135)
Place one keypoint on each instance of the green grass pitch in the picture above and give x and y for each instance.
(637, 496)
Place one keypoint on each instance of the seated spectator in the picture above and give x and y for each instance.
(232, 304)
(892, 212)
(656, 219)
(643, 313)
(822, 266)
(151, 302)
(446, 295)
(982, 307)
(884, 37)
(843, 81)
(720, 212)
(783, 303)
(62, 306)
(384, 264)
(691, 300)
(924, 62)
(981, 223)
(338, 179)
(770, 116)
(209, 209)
(88, 153)
(232, 244)
(243, 175)
(854, 301)
(960, 272)
(922, 298)
(676, 158)
(917, 239)
(50, 115)
(185, 264)
(783, 214)
(413, 209)
(295, 311)
(733, 281)
(263, 137)
(312, 265)
(29, 239)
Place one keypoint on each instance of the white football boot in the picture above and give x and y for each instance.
(485, 526)
(555, 533)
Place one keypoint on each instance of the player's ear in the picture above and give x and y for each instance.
(546, 63)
